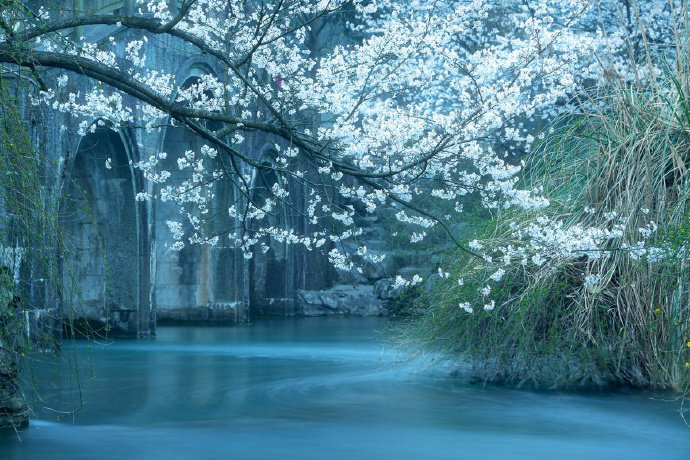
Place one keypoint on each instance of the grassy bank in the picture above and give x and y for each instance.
(622, 318)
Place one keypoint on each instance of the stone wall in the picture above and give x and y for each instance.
(120, 272)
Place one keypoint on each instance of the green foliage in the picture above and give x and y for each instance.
(28, 219)
(31, 246)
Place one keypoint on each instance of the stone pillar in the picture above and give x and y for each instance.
(14, 412)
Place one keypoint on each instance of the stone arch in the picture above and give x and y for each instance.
(105, 270)
(195, 66)
(189, 70)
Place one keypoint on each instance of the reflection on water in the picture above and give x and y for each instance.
(318, 388)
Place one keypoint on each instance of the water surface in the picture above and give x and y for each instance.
(318, 388)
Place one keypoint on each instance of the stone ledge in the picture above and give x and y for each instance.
(222, 312)
(344, 300)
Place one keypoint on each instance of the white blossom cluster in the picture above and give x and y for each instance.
(410, 106)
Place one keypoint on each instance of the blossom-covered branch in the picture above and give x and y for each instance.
(410, 105)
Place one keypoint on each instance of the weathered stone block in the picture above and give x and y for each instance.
(341, 300)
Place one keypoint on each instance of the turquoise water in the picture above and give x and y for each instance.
(319, 388)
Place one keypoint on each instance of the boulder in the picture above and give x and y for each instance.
(357, 300)
(385, 290)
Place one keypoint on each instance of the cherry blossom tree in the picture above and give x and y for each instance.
(407, 112)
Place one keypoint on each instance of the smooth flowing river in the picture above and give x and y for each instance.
(318, 388)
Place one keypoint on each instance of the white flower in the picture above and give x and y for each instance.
(175, 229)
(467, 307)
(476, 245)
(498, 275)
(108, 163)
(400, 282)
(417, 237)
(592, 280)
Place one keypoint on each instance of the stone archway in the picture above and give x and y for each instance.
(105, 270)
